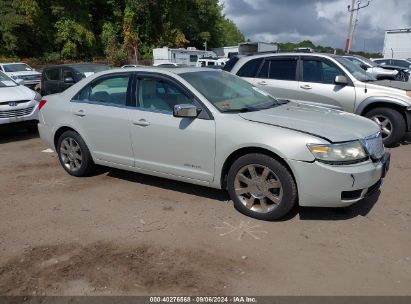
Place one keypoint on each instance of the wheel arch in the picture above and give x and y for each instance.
(60, 131)
(244, 151)
(385, 102)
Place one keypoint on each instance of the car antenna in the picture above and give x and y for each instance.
(365, 73)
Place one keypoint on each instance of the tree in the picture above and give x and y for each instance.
(75, 40)
(114, 52)
(131, 40)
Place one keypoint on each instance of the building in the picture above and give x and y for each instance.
(182, 56)
(397, 44)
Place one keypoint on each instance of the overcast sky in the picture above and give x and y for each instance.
(324, 22)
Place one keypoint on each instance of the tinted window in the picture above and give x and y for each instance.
(264, 70)
(250, 68)
(284, 69)
(319, 72)
(111, 90)
(230, 64)
(193, 58)
(67, 74)
(53, 74)
(156, 94)
(401, 63)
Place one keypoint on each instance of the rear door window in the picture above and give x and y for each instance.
(109, 90)
(53, 74)
(250, 68)
(283, 69)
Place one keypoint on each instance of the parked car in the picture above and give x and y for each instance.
(131, 66)
(57, 78)
(329, 80)
(375, 70)
(20, 70)
(211, 128)
(18, 104)
(404, 63)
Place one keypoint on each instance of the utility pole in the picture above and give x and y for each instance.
(351, 10)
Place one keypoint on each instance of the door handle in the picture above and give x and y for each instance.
(80, 113)
(262, 83)
(306, 87)
(141, 122)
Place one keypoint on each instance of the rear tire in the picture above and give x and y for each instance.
(261, 187)
(74, 154)
(391, 122)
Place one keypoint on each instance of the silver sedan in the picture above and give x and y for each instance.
(211, 128)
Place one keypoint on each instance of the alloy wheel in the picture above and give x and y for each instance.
(71, 155)
(385, 125)
(258, 188)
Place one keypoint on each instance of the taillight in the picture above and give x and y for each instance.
(42, 103)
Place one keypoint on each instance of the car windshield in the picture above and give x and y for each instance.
(355, 70)
(90, 69)
(16, 67)
(229, 93)
(368, 61)
(6, 81)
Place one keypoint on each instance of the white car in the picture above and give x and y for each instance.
(20, 70)
(18, 104)
(211, 128)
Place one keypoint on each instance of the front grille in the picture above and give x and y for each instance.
(30, 77)
(374, 146)
(16, 113)
(5, 103)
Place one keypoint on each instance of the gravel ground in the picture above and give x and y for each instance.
(121, 233)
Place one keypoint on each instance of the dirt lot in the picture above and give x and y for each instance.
(124, 233)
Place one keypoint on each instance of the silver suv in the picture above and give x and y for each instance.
(329, 80)
(211, 128)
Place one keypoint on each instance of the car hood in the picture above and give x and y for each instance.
(382, 72)
(16, 93)
(333, 125)
(23, 73)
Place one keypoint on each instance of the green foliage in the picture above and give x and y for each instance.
(75, 40)
(81, 29)
(289, 47)
(115, 54)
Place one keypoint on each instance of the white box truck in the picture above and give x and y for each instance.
(397, 44)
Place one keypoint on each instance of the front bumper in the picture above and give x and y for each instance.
(321, 185)
(18, 114)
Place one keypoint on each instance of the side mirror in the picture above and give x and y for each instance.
(364, 66)
(185, 110)
(19, 81)
(341, 80)
(69, 80)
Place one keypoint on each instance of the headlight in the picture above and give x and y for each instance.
(37, 97)
(409, 93)
(350, 152)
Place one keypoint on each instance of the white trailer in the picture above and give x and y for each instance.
(224, 52)
(397, 44)
(182, 56)
(247, 48)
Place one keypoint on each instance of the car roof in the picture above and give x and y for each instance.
(264, 55)
(73, 65)
(175, 70)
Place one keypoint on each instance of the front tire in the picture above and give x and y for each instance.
(74, 155)
(391, 122)
(261, 187)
